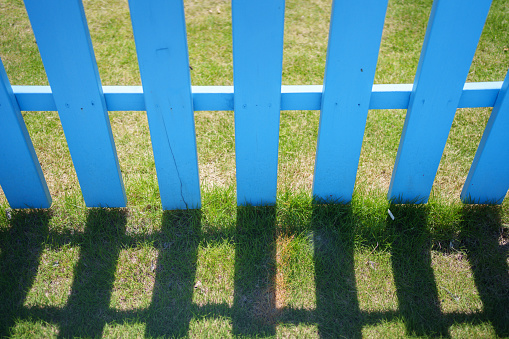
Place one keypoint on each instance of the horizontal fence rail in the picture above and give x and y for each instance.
(257, 97)
(295, 97)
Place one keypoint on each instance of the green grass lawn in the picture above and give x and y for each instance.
(297, 269)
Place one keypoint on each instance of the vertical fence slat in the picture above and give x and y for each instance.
(354, 41)
(21, 176)
(161, 42)
(66, 49)
(454, 29)
(488, 178)
(258, 27)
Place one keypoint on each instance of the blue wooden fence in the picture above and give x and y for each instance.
(257, 97)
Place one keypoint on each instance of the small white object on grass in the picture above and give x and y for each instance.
(390, 214)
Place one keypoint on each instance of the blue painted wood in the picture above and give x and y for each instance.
(64, 43)
(21, 175)
(479, 94)
(161, 42)
(258, 27)
(451, 39)
(352, 53)
(34, 98)
(488, 178)
(220, 98)
(213, 98)
(124, 98)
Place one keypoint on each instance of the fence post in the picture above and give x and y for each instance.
(454, 29)
(354, 41)
(488, 178)
(258, 27)
(161, 42)
(21, 175)
(64, 42)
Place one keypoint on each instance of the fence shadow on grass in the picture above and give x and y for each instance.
(254, 303)
(332, 232)
(486, 244)
(337, 307)
(414, 279)
(170, 311)
(21, 247)
(88, 307)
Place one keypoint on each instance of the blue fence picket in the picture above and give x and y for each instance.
(488, 178)
(258, 27)
(451, 39)
(66, 49)
(352, 53)
(21, 176)
(161, 42)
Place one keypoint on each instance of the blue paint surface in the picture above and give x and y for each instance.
(454, 29)
(66, 50)
(220, 98)
(161, 42)
(21, 175)
(488, 178)
(352, 53)
(257, 70)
